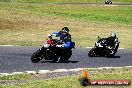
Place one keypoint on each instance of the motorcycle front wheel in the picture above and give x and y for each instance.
(36, 56)
(91, 52)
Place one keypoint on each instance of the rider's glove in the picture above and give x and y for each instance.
(63, 45)
(58, 45)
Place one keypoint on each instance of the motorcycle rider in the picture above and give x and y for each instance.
(112, 40)
(65, 37)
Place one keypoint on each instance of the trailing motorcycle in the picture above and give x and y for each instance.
(52, 51)
(103, 48)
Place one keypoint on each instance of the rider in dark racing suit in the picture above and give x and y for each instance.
(65, 37)
(112, 40)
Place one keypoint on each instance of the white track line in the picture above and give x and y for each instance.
(43, 71)
(85, 47)
(7, 45)
(60, 70)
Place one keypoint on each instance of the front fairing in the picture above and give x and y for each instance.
(100, 43)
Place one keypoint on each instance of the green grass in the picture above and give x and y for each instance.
(29, 24)
(72, 81)
(101, 14)
(15, 77)
(67, 0)
(5, 0)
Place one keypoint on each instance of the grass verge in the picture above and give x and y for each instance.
(29, 24)
(16, 77)
(71, 81)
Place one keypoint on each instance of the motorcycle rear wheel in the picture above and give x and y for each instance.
(111, 53)
(65, 55)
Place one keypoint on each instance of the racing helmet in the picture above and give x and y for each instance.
(65, 30)
(49, 36)
(113, 34)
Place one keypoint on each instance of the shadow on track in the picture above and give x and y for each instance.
(114, 57)
(59, 62)
(109, 57)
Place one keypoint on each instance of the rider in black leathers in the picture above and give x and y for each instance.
(112, 40)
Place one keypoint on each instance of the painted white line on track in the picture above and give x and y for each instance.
(122, 48)
(60, 70)
(85, 47)
(88, 47)
(30, 72)
(110, 67)
(7, 45)
(4, 74)
(14, 73)
(44, 71)
(76, 69)
(128, 66)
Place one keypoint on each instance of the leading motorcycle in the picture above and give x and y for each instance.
(52, 51)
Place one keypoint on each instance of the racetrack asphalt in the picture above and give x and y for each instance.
(18, 59)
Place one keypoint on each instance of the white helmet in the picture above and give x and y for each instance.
(113, 34)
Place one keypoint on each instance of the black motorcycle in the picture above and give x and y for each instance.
(50, 51)
(103, 48)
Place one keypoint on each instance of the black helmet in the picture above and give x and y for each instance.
(65, 29)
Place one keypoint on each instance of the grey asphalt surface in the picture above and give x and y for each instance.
(17, 59)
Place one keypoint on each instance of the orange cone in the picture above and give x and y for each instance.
(84, 73)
